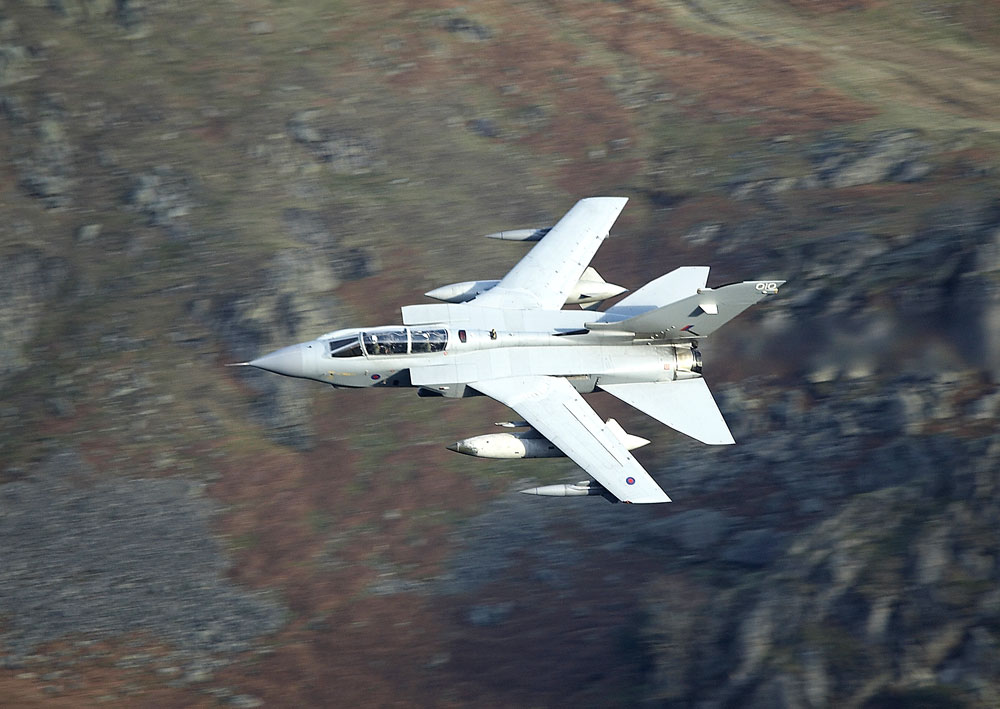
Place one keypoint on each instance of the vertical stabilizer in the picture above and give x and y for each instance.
(698, 315)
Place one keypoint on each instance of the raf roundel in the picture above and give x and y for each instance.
(630, 480)
(376, 377)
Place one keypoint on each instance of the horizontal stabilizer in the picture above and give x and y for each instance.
(686, 405)
(697, 315)
(668, 288)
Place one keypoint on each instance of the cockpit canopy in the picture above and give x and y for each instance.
(434, 340)
(388, 341)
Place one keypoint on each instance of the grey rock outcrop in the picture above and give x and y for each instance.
(345, 151)
(977, 290)
(858, 291)
(46, 171)
(249, 327)
(13, 63)
(107, 558)
(917, 514)
(28, 282)
(891, 155)
(886, 156)
(288, 300)
(464, 27)
(165, 197)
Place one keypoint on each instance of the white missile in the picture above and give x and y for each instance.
(591, 289)
(529, 444)
(584, 487)
(521, 234)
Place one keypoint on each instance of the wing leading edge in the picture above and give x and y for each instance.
(556, 410)
(546, 275)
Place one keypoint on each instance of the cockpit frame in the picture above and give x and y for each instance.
(388, 341)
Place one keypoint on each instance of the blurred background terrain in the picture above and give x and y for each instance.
(185, 184)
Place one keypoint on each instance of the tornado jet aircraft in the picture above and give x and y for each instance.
(511, 339)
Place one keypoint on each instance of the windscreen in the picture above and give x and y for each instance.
(342, 342)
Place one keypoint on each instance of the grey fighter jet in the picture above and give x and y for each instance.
(511, 340)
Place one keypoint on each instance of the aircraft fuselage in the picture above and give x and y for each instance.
(442, 359)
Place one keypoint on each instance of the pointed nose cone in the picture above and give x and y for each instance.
(289, 361)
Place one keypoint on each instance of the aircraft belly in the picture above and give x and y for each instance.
(606, 364)
(453, 372)
(500, 363)
(562, 361)
(516, 361)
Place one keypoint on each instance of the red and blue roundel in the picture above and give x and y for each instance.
(630, 480)
(376, 377)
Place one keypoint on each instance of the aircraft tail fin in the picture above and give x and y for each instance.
(697, 315)
(686, 405)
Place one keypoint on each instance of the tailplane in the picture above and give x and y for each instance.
(669, 288)
(686, 405)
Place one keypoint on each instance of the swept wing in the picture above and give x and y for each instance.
(556, 410)
(546, 275)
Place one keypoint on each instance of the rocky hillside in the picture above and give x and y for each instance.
(185, 184)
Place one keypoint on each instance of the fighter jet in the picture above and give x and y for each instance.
(511, 339)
